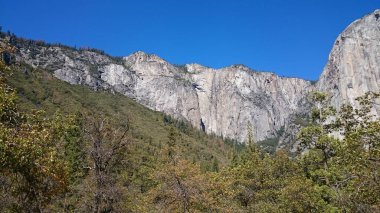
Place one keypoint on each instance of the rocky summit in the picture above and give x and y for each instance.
(221, 101)
(353, 67)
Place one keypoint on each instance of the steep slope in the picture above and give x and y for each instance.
(223, 101)
(39, 89)
(234, 97)
(353, 67)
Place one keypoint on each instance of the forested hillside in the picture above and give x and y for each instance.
(66, 148)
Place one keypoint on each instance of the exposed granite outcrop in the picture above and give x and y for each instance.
(222, 101)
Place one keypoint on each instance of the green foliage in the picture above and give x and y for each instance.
(182, 125)
(343, 154)
(269, 145)
(148, 129)
(33, 170)
(61, 160)
(269, 183)
(29, 157)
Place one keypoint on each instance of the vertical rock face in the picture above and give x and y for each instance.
(222, 101)
(163, 87)
(232, 98)
(353, 67)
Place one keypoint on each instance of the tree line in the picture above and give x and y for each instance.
(82, 162)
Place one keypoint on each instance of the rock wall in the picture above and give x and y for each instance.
(221, 101)
(353, 67)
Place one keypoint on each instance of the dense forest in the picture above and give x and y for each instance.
(66, 148)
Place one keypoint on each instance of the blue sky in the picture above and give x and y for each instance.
(288, 37)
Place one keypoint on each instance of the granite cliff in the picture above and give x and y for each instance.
(222, 101)
(353, 67)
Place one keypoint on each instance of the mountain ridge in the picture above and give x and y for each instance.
(232, 66)
(222, 101)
